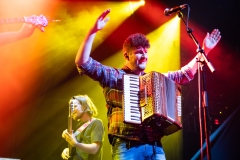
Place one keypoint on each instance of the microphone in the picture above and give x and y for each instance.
(168, 11)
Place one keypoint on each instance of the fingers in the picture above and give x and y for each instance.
(215, 35)
(64, 134)
(207, 35)
(211, 40)
(68, 137)
(104, 14)
(65, 153)
(106, 20)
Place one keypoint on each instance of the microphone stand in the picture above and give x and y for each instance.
(203, 99)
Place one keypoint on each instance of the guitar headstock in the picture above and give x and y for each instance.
(71, 107)
(40, 21)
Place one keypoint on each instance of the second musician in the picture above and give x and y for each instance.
(89, 135)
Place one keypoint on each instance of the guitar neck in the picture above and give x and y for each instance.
(72, 150)
(12, 20)
(69, 131)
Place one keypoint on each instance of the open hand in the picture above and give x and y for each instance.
(101, 21)
(210, 41)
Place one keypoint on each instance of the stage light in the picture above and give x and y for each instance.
(134, 5)
(142, 2)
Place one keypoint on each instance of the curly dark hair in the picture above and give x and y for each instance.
(135, 40)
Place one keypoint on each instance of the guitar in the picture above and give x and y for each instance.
(72, 150)
(40, 21)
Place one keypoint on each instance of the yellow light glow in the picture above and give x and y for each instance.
(78, 23)
(64, 38)
(142, 2)
(135, 5)
(164, 54)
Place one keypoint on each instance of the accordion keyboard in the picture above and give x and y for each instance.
(131, 100)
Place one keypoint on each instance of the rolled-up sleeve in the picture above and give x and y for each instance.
(182, 76)
(81, 69)
(105, 75)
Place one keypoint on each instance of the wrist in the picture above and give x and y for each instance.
(75, 144)
(206, 50)
(93, 30)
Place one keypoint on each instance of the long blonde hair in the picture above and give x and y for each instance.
(86, 103)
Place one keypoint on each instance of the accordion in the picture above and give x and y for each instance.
(152, 99)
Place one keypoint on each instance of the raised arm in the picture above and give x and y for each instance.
(86, 46)
(9, 37)
(209, 42)
(26, 31)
